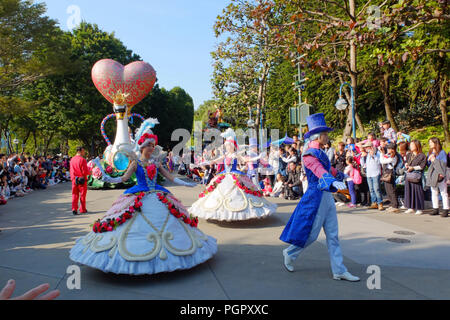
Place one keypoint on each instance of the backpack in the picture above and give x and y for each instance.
(356, 176)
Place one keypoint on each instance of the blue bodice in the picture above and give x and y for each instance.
(144, 183)
(231, 168)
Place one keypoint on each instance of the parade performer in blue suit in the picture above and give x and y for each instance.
(316, 208)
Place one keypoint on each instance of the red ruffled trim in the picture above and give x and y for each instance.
(256, 193)
(192, 221)
(112, 224)
(212, 186)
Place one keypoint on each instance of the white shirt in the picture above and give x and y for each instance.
(372, 165)
(388, 161)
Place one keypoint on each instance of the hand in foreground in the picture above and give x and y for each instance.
(33, 294)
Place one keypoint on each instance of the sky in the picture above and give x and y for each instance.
(174, 36)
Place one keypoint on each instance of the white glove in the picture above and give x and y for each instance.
(339, 185)
(98, 164)
(109, 179)
(182, 183)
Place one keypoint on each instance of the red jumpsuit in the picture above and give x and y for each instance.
(79, 168)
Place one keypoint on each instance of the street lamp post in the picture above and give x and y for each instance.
(341, 104)
(299, 85)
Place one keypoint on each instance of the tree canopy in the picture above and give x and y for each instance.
(46, 91)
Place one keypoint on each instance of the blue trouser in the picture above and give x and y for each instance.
(374, 187)
(326, 217)
(351, 190)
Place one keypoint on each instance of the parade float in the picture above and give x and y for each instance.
(123, 87)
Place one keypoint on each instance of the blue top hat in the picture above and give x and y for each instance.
(316, 124)
(253, 142)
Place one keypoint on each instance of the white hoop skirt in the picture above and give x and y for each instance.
(153, 240)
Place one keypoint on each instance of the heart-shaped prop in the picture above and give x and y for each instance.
(135, 80)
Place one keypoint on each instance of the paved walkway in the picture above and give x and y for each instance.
(39, 230)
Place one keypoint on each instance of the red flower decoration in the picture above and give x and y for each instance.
(151, 171)
(148, 136)
(175, 212)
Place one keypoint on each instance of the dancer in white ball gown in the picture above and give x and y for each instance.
(147, 230)
(231, 195)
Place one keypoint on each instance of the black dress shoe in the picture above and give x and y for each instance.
(435, 212)
(444, 213)
(75, 213)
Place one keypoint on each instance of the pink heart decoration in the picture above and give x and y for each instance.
(136, 78)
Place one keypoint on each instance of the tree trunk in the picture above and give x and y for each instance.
(443, 92)
(443, 87)
(385, 88)
(92, 153)
(47, 144)
(348, 124)
(25, 140)
(35, 143)
(354, 83)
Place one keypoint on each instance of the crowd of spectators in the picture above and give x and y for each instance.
(22, 173)
(391, 163)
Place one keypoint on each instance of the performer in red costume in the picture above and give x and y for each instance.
(78, 174)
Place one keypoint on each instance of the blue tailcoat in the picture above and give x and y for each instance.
(300, 224)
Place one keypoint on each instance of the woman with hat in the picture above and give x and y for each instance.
(147, 230)
(316, 209)
(231, 195)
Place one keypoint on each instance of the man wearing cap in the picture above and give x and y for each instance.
(316, 209)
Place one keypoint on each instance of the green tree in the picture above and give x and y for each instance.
(244, 58)
(31, 48)
(201, 114)
(72, 97)
(174, 109)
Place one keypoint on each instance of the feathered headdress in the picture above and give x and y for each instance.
(230, 137)
(146, 139)
(146, 127)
